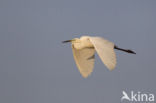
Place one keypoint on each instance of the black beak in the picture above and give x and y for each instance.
(66, 41)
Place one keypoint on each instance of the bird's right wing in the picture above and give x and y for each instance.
(105, 50)
(84, 59)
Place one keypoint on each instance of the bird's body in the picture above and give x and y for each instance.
(83, 42)
(84, 50)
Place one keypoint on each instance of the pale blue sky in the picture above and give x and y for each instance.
(35, 67)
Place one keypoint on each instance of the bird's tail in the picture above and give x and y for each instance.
(125, 50)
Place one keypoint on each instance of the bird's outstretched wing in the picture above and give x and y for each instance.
(84, 59)
(105, 50)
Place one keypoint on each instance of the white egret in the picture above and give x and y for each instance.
(84, 50)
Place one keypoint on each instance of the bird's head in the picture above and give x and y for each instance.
(75, 40)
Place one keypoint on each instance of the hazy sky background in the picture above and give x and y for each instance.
(35, 67)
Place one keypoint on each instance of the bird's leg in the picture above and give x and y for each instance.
(125, 50)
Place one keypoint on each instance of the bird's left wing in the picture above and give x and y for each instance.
(84, 59)
(105, 50)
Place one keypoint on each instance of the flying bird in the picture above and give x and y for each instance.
(84, 49)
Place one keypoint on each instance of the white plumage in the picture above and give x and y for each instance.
(105, 50)
(84, 50)
(84, 59)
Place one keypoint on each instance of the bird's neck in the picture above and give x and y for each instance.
(82, 45)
